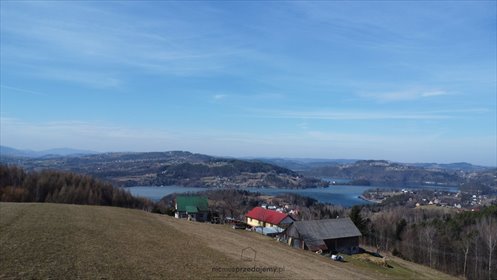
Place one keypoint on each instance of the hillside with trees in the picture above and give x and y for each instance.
(461, 243)
(17, 185)
(172, 168)
(385, 173)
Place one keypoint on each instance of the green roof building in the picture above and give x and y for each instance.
(192, 207)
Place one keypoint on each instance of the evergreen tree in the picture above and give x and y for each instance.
(359, 221)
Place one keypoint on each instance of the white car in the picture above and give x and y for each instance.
(337, 258)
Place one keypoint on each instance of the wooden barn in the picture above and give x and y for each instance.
(333, 235)
(192, 207)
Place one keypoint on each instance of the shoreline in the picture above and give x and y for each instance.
(369, 200)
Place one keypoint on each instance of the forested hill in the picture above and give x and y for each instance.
(379, 172)
(172, 168)
(385, 173)
(17, 185)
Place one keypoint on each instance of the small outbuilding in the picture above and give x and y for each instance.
(192, 207)
(333, 235)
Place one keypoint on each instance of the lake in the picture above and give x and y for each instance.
(339, 195)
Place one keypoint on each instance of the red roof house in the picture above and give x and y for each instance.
(268, 218)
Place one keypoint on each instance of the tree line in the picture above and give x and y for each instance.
(17, 185)
(458, 243)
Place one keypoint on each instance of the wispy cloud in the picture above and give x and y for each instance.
(21, 90)
(434, 93)
(404, 95)
(219, 96)
(363, 28)
(352, 115)
(268, 96)
(283, 77)
(95, 79)
(81, 134)
(73, 41)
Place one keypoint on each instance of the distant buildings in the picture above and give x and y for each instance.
(194, 208)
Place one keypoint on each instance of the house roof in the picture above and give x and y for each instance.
(265, 215)
(314, 232)
(191, 209)
(191, 204)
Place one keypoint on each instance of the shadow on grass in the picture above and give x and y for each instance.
(374, 254)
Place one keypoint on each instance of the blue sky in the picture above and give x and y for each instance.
(402, 81)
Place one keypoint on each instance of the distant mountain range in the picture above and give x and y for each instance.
(464, 166)
(306, 164)
(189, 169)
(296, 164)
(8, 151)
(171, 168)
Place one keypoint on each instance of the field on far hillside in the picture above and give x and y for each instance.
(73, 241)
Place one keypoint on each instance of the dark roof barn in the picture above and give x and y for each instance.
(323, 234)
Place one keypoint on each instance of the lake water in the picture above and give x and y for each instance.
(343, 195)
(346, 196)
(339, 195)
(156, 193)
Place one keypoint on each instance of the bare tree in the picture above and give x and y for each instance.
(428, 236)
(476, 272)
(488, 230)
(467, 240)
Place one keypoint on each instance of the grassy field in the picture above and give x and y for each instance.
(70, 241)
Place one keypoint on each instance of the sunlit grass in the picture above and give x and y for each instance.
(69, 241)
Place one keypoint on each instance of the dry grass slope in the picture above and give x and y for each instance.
(70, 241)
